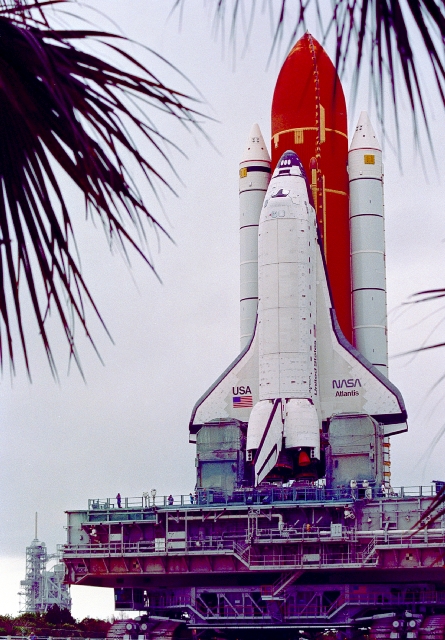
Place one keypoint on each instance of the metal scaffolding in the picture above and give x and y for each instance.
(43, 587)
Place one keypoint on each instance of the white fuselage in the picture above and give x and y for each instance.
(287, 258)
(287, 245)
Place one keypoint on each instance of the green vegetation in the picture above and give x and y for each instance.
(56, 623)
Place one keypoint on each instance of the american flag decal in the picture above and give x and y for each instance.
(360, 589)
(242, 402)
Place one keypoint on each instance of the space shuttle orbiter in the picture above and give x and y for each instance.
(298, 369)
(313, 285)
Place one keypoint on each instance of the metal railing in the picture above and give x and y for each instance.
(324, 559)
(354, 551)
(102, 546)
(368, 540)
(260, 495)
(252, 559)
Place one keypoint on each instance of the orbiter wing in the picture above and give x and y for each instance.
(233, 394)
(346, 382)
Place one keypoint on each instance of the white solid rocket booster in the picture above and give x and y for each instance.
(254, 178)
(368, 245)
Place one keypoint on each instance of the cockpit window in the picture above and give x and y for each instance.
(281, 193)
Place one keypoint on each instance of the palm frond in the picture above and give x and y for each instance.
(428, 294)
(61, 103)
(28, 11)
(385, 35)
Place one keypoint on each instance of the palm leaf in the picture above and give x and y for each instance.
(383, 33)
(60, 103)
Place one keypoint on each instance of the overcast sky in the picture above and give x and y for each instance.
(126, 428)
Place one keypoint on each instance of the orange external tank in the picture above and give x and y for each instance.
(309, 117)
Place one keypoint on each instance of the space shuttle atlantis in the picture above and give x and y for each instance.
(296, 369)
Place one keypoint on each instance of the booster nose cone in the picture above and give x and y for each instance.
(256, 147)
(364, 136)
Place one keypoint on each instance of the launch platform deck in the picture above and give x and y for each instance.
(292, 557)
